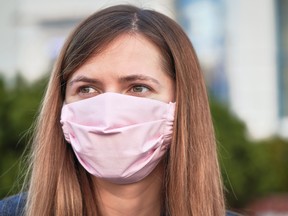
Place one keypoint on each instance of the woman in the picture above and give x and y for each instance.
(125, 125)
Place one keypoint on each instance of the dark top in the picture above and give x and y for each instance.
(14, 206)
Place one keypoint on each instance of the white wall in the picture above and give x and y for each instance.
(251, 64)
(8, 45)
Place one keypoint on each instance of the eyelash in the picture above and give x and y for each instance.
(140, 86)
(79, 90)
(130, 90)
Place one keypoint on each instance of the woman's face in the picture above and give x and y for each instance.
(130, 65)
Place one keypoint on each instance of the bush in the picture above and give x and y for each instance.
(18, 105)
(249, 169)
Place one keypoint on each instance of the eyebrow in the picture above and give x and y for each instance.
(83, 79)
(125, 79)
(136, 77)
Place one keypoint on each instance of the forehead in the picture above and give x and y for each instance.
(133, 43)
(128, 50)
(129, 53)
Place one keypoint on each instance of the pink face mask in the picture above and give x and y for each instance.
(117, 137)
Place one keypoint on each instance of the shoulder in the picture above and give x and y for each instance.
(13, 205)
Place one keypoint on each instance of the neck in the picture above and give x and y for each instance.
(142, 198)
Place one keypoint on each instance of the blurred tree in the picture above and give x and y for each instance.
(18, 105)
(271, 166)
(234, 153)
(250, 169)
(2, 96)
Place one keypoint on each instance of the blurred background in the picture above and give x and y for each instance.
(243, 49)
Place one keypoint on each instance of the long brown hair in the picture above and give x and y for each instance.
(60, 186)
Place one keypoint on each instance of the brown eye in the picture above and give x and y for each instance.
(140, 89)
(87, 90)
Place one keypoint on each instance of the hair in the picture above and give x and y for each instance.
(58, 185)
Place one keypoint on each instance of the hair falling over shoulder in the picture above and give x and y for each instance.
(59, 186)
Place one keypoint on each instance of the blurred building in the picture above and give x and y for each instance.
(32, 31)
(242, 46)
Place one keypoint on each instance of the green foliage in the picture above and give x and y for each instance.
(18, 105)
(250, 169)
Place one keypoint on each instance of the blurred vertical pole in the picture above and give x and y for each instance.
(282, 30)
